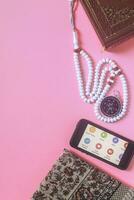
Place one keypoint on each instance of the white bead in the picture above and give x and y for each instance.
(88, 101)
(124, 81)
(81, 88)
(121, 115)
(95, 97)
(87, 93)
(125, 97)
(80, 85)
(125, 94)
(108, 120)
(125, 103)
(75, 55)
(79, 76)
(110, 68)
(91, 100)
(81, 93)
(86, 56)
(111, 120)
(124, 110)
(103, 60)
(105, 119)
(98, 116)
(107, 60)
(96, 110)
(85, 100)
(113, 65)
(110, 61)
(98, 101)
(102, 118)
(118, 117)
(82, 97)
(125, 88)
(96, 113)
(82, 53)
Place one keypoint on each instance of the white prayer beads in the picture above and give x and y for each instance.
(96, 89)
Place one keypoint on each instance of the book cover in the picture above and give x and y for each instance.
(113, 20)
(72, 178)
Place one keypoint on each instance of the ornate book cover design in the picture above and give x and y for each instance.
(113, 20)
(71, 178)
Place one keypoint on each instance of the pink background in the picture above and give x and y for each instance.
(39, 100)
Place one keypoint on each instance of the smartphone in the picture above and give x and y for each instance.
(102, 144)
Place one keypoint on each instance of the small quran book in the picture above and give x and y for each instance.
(113, 20)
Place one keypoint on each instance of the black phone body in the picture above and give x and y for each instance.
(102, 144)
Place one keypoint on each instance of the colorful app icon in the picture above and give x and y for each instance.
(86, 140)
(110, 151)
(98, 146)
(104, 134)
(92, 129)
(115, 140)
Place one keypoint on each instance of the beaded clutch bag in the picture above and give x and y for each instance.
(71, 178)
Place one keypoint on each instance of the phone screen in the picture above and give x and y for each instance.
(103, 144)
